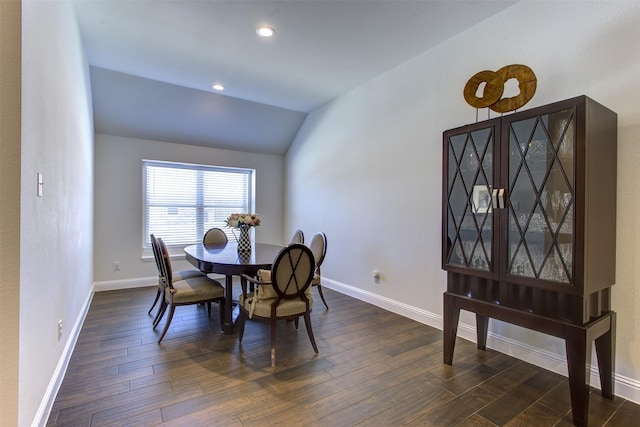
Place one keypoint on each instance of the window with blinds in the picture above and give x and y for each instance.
(182, 201)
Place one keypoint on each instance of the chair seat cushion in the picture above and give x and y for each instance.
(186, 274)
(197, 289)
(315, 281)
(262, 307)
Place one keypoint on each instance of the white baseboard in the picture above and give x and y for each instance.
(42, 415)
(112, 285)
(140, 282)
(625, 387)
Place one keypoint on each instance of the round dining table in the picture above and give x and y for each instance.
(225, 259)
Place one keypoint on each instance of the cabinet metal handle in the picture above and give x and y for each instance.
(494, 198)
(501, 198)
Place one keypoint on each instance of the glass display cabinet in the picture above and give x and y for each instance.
(529, 231)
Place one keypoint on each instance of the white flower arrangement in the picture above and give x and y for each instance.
(239, 220)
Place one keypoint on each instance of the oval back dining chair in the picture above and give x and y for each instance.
(194, 290)
(215, 236)
(178, 275)
(318, 246)
(282, 293)
(298, 237)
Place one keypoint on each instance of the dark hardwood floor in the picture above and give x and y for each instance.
(375, 368)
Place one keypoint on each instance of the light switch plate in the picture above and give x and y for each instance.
(40, 182)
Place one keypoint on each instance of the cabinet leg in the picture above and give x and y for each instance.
(578, 353)
(450, 328)
(482, 327)
(605, 352)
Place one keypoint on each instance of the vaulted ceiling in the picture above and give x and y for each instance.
(153, 63)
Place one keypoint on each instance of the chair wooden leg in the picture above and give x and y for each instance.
(155, 301)
(161, 310)
(273, 343)
(166, 325)
(209, 309)
(322, 295)
(295, 322)
(241, 320)
(307, 323)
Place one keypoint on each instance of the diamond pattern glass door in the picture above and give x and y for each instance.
(468, 198)
(541, 197)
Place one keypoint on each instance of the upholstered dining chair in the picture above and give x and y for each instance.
(281, 293)
(178, 275)
(298, 237)
(194, 290)
(215, 236)
(318, 246)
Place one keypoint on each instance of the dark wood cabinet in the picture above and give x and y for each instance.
(529, 231)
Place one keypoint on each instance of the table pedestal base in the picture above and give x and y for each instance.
(227, 324)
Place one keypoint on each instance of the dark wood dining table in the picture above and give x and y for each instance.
(224, 259)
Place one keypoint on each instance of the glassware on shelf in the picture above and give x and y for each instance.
(553, 270)
(537, 254)
(523, 147)
(487, 160)
(476, 258)
(568, 207)
(537, 150)
(516, 261)
(521, 264)
(556, 200)
(565, 150)
(472, 160)
(522, 220)
(567, 255)
(468, 248)
(537, 222)
(543, 200)
(459, 253)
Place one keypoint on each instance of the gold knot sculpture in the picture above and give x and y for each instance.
(494, 88)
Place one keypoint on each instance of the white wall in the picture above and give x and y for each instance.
(373, 161)
(118, 201)
(56, 230)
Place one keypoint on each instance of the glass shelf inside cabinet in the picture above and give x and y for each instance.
(541, 198)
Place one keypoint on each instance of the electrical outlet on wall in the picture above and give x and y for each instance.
(376, 276)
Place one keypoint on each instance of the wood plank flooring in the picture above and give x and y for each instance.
(374, 368)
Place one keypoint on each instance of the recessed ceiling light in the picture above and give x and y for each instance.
(218, 86)
(265, 31)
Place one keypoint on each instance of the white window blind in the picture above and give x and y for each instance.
(182, 201)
